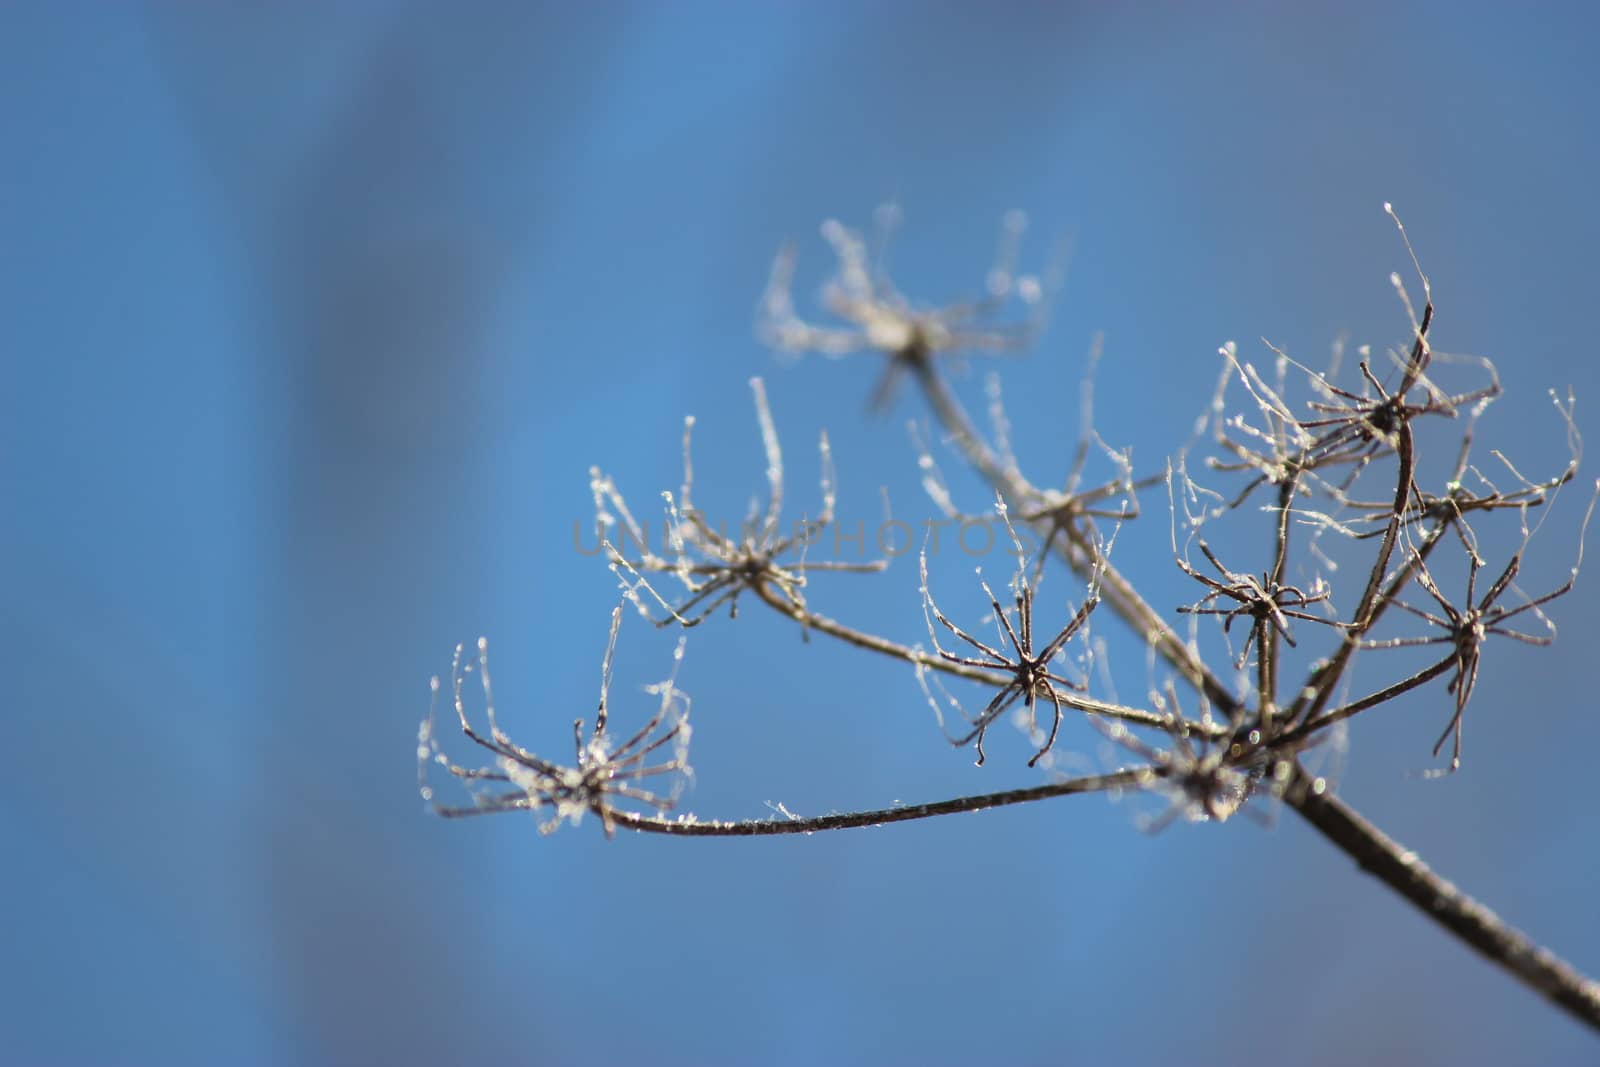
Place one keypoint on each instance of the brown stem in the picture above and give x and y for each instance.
(1399, 868)
(1099, 783)
(1290, 738)
(1268, 644)
(1324, 678)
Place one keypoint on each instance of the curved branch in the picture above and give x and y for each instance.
(1098, 783)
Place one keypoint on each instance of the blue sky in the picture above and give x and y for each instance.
(314, 322)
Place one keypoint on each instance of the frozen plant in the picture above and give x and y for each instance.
(1358, 539)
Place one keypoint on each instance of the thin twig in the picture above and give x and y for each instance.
(687, 827)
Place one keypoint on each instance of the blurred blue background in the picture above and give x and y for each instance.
(313, 320)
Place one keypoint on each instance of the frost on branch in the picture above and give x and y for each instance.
(607, 775)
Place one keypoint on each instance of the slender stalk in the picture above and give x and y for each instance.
(1374, 599)
(1099, 783)
(1290, 738)
(1399, 868)
(1320, 690)
(1268, 645)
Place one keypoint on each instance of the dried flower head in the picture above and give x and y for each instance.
(1200, 780)
(877, 317)
(1268, 602)
(1343, 428)
(606, 774)
(1468, 491)
(713, 566)
(1464, 629)
(1032, 676)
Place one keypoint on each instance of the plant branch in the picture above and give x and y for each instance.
(1399, 868)
(1099, 783)
(917, 658)
(1289, 738)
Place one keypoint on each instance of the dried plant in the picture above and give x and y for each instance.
(1339, 473)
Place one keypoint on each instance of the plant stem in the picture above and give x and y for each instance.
(1399, 868)
(1099, 783)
